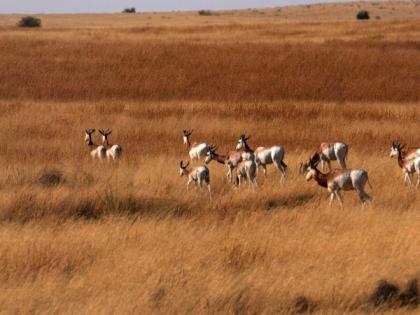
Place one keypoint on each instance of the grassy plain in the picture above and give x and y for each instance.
(79, 236)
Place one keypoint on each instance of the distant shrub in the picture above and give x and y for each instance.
(129, 10)
(363, 15)
(303, 305)
(385, 292)
(29, 21)
(205, 12)
(51, 178)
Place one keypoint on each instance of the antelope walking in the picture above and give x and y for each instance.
(246, 170)
(339, 179)
(333, 151)
(196, 151)
(408, 165)
(198, 174)
(264, 155)
(100, 151)
(115, 151)
(231, 160)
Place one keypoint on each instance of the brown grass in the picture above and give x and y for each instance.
(79, 236)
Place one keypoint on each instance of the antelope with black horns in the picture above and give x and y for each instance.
(264, 155)
(339, 179)
(196, 151)
(409, 166)
(198, 174)
(100, 151)
(114, 152)
(231, 160)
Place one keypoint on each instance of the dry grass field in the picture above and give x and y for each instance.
(82, 236)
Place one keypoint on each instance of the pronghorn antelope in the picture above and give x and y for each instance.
(264, 155)
(339, 179)
(100, 151)
(246, 170)
(196, 151)
(231, 160)
(409, 153)
(333, 151)
(408, 166)
(114, 152)
(88, 136)
(198, 174)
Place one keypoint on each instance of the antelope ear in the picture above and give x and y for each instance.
(180, 164)
(187, 164)
(93, 130)
(109, 131)
(101, 131)
(86, 131)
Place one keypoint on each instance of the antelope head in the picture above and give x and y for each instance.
(211, 154)
(88, 136)
(312, 166)
(396, 148)
(186, 135)
(183, 168)
(242, 141)
(105, 133)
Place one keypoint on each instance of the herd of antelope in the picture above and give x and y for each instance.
(111, 152)
(246, 161)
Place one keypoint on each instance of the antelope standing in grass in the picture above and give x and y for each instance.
(100, 151)
(198, 174)
(339, 179)
(231, 160)
(246, 170)
(409, 153)
(196, 150)
(264, 155)
(333, 151)
(115, 151)
(409, 166)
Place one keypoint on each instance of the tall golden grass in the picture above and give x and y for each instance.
(148, 70)
(83, 236)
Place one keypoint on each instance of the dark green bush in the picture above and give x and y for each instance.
(129, 10)
(363, 15)
(205, 12)
(29, 21)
